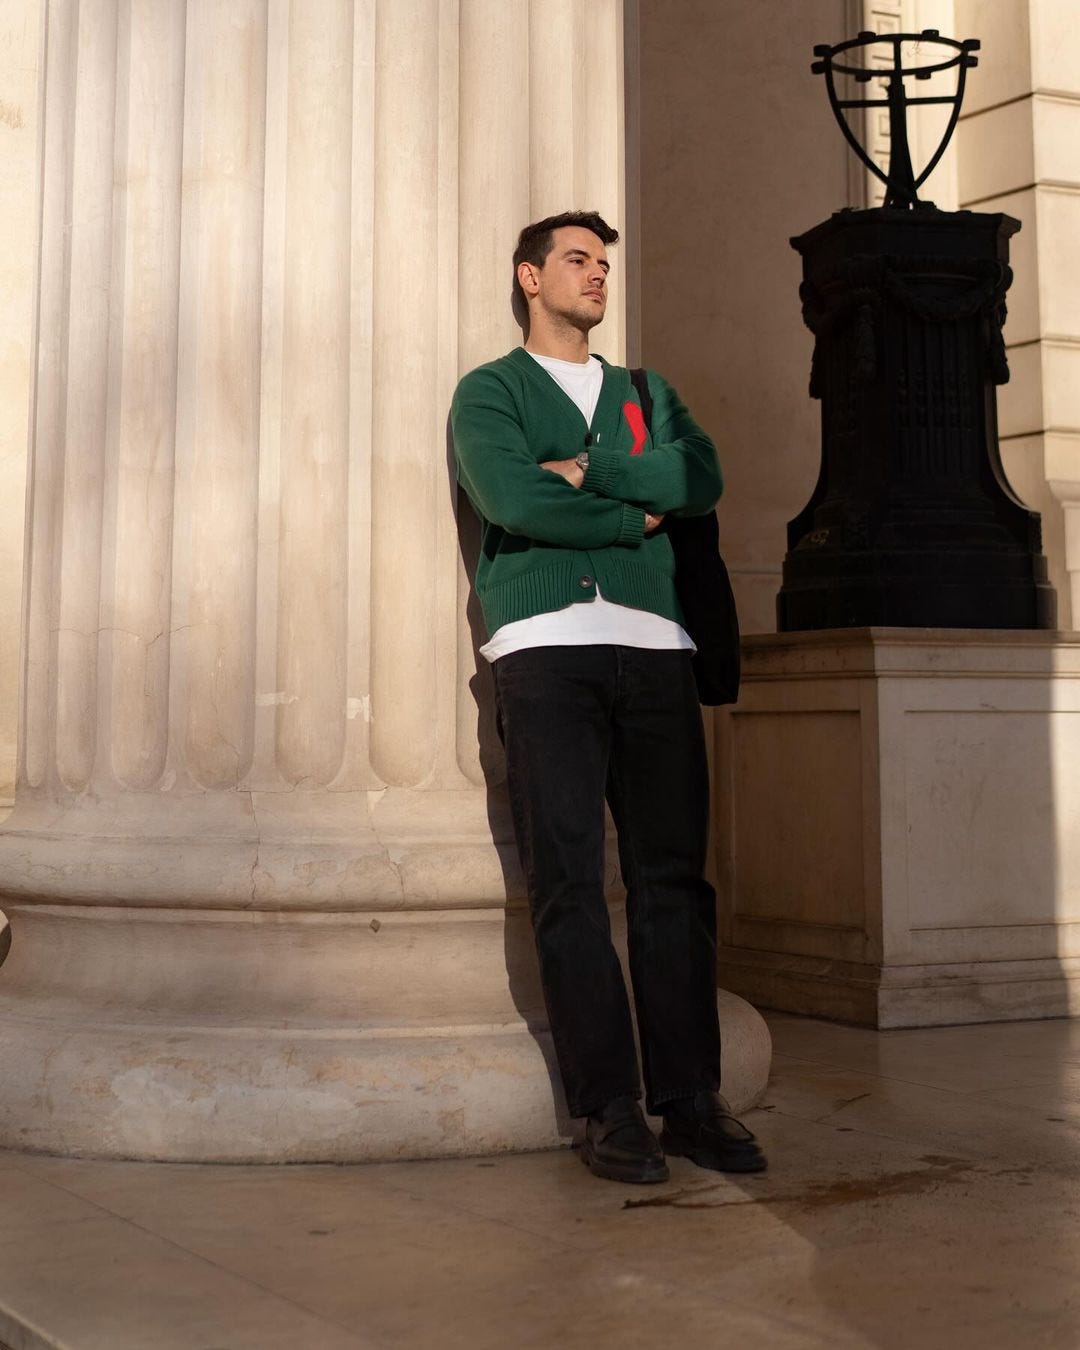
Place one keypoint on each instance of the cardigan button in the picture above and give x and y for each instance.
(585, 582)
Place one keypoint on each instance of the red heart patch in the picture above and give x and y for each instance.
(636, 422)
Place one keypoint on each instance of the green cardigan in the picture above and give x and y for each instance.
(546, 544)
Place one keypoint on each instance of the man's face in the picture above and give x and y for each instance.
(572, 284)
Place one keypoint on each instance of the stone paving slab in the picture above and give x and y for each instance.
(924, 1189)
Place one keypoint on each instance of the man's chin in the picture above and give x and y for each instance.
(588, 320)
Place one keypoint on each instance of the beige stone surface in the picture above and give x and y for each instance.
(928, 124)
(1053, 46)
(1024, 319)
(1004, 70)
(921, 1190)
(232, 333)
(253, 1037)
(1020, 402)
(1059, 292)
(244, 379)
(1028, 465)
(1061, 400)
(20, 128)
(996, 152)
(1055, 118)
(263, 899)
(897, 825)
(750, 158)
(1018, 136)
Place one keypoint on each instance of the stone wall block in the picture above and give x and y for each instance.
(1020, 408)
(996, 152)
(1027, 461)
(1052, 44)
(1004, 71)
(1020, 135)
(1059, 228)
(940, 887)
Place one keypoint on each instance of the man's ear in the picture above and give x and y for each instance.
(528, 275)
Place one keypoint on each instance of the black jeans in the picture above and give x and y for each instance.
(579, 724)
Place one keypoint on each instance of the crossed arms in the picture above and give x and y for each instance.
(616, 502)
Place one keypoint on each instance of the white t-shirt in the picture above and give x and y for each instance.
(586, 622)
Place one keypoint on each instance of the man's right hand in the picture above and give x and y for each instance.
(652, 522)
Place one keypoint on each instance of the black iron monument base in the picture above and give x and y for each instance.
(912, 522)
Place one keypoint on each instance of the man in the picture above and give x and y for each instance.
(596, 697)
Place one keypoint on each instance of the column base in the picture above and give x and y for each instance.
(265, 1038)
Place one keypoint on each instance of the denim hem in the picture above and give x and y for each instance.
(601, 1102)
(655, 1104)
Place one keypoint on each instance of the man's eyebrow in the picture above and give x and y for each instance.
(584, 253)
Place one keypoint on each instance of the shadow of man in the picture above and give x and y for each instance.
(522, 968)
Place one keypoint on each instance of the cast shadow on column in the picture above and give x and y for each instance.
(522, 971)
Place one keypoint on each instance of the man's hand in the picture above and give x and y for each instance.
(566, 468)
(575, 476)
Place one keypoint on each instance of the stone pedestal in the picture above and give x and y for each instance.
(898, 816)
(262, 893)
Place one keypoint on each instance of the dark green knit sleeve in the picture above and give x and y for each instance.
(508, 487)
(679, 475)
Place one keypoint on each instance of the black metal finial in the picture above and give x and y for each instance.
(900, 182)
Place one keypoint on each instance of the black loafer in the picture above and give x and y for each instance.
(619, 1146)
(704, 1129)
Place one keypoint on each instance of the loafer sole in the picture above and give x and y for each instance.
(640, 1174)
(738, 1158)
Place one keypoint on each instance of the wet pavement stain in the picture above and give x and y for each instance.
(938, 1171)
(847, 1101)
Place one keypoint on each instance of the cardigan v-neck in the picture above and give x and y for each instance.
(607, 415)
(581, 380)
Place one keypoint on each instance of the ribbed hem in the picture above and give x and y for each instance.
(534, 592)
(632, 529)
(643, 587)
(601, 473)
(548, 588)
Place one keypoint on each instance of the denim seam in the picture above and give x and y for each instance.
(632, 851)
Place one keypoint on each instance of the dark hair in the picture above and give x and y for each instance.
(535, 241)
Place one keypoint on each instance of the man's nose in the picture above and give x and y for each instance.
(597, 278)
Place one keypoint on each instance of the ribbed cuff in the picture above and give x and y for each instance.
(632, 529)
(600, 475)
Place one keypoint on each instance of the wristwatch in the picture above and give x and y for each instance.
(581, 459)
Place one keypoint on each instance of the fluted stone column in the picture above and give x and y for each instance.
(263, 899)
